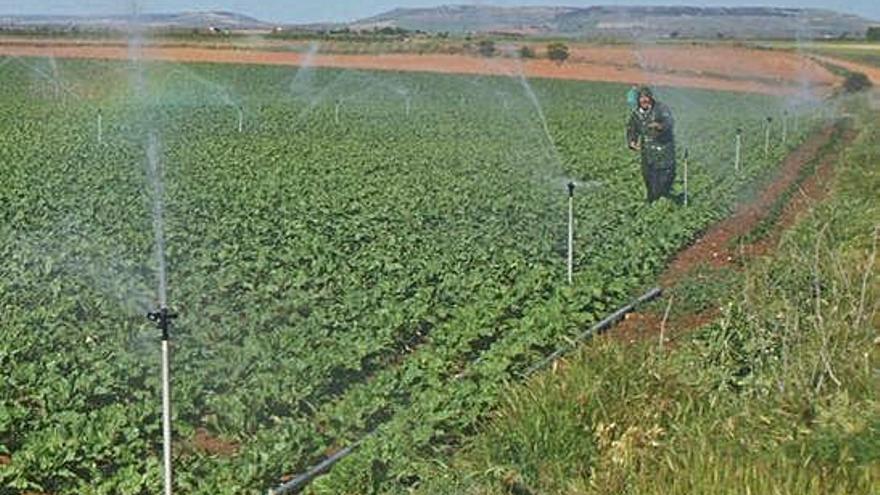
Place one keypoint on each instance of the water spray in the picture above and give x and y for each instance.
(571, 186)
(738, 160)
(686, 157)
(767, 137)
(162, 318)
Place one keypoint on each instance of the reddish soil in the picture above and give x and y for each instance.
(206, 443)
(698, 66)
(715, 248)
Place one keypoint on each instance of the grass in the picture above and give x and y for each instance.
(780, 395)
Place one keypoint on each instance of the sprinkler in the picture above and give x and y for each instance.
(784, 127)
(162, 318)
(571, 186)
(767, 137)
(100, 126)
(240, 120)
(738, 159)
(686, 156)
(336, 112)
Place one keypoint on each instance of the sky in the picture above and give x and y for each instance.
(300, 11)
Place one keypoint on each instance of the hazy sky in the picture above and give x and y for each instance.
(346, 10)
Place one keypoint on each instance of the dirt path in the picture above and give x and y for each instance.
(716, 247)
(726, 68)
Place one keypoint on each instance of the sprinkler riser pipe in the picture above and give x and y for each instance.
(162, 318)
(166, 417)
(571, 186)
(738, 159)
(685, 177)
(570, 240)
(784, 129)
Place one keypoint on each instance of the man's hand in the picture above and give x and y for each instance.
(634, 145)
(656, 126)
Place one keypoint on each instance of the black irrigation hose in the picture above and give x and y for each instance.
(597, 329)
(297, 484)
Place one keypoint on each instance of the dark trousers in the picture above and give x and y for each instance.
(658, 170)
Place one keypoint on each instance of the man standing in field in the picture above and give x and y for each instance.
(650, 130)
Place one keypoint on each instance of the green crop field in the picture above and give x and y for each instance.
(348, 252)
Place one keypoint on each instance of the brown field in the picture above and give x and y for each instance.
(722, 67)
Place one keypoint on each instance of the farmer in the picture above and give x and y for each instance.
(650, 130)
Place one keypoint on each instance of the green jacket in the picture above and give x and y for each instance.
(657, 142)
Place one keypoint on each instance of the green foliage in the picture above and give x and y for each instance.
(372, 251)
(702, 290)
(873, 33)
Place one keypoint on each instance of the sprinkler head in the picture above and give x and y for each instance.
(769, 119)
(686, 153)
(162, 319)
(739, 131)
(571, 189)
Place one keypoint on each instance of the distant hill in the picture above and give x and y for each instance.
(626, 22)
(181, 20)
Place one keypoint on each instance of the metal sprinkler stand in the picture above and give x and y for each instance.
(162, 318)
(686, 156)
(571, 186)
(784, 127)
(100, 126)
(738, 160)
(767, 138)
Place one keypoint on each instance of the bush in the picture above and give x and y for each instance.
(486, 48)
(557, 52)
(526, 51)
(873, 33)
(855, 82)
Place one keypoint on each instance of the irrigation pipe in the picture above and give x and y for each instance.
(297, 484)
(597, 329)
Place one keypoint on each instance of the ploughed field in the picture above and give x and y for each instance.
(349, 251)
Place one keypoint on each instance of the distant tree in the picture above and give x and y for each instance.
(526, 51)
(486, 48)
(557, 52)
(873, 33)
